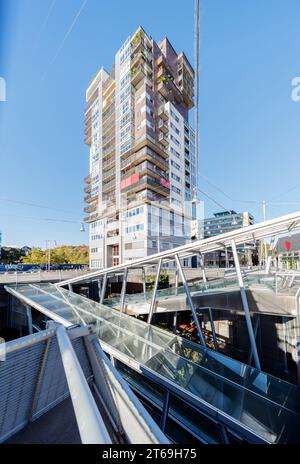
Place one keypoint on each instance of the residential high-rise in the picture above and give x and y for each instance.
(142, 152)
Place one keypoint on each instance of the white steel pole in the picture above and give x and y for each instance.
(245, 305)
(190, 300)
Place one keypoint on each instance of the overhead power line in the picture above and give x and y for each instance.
(9, 200)
(258, 202)
(213, 200)
(42, 219)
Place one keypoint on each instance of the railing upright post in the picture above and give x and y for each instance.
(190, 300)
(153, 300)
(104, 283)
(123, 292)
(245, 305)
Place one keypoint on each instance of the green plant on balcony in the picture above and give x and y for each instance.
(133, 71)
(162, 79)
(136, 37)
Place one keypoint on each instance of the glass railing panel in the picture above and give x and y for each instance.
(259, 382)
(181, 359)
(266, 419)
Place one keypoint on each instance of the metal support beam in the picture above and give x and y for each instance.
(190, 301)
(202, 268)
(99, 288)
(103, 290)
(70, 287)
(226, 258)
(255, 334)
(123, 292)
(90, 423)
(175, 317)
(144, 283)
(284, 321)
(165, 411)
(29, 319)
(224, 434)
(269, 259)
(153, 300)
(213, 328)
(245, 305)
(176, 282)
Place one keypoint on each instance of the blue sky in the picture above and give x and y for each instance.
(250, 127)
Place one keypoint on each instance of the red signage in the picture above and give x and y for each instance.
(287, 245)
(165, 182)
(130, 180)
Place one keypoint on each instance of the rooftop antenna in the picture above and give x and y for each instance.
(196, 57)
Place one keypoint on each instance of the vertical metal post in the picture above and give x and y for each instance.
(224, 434)
(99, 288)
(213, 328)
(103, 290)
(144, 283)
(112, 360)
(176, 282)
(175, 322)
(202, 268)
(29, 319)
(165, 411)
(190, 301)
(70, 287)
(226, 258)
(123, 292)
(197, 70)
(245, 305)
(255, 334)
(285, 361)
(153, 300)
(269, 259)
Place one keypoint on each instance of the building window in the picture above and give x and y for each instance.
(176, 190)
(175, 165)
(175, 140)
(96, 237)
(134, 212)
(174, 116)
(135, 228)
(177, 178)
(174, 128)
(174, 152)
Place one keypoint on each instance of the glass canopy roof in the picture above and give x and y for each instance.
(266, 405)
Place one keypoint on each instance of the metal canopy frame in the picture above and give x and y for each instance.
(273, 227)
(230, 239)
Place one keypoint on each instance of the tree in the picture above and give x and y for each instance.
(59, 255)
(10, 255)
(163, 281)
(35, 256)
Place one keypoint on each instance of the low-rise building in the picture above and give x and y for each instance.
(220, 223)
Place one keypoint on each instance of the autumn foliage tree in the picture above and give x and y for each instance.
(59, 255)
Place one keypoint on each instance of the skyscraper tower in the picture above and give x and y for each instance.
(142, 152)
